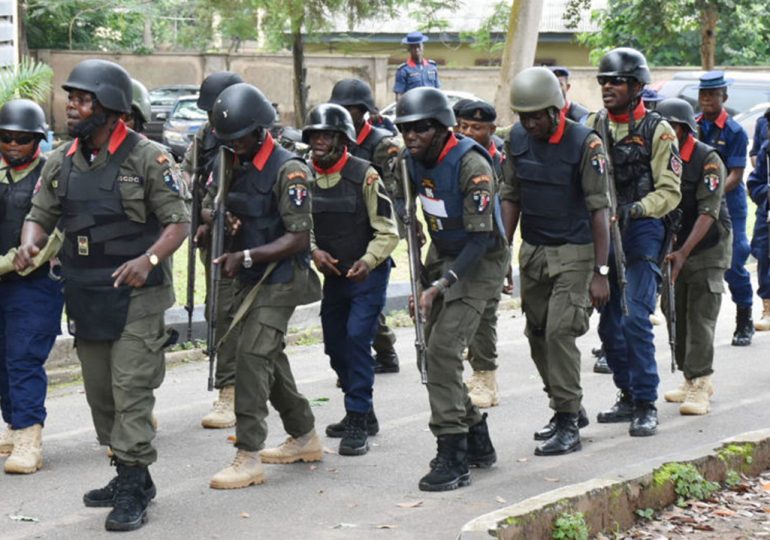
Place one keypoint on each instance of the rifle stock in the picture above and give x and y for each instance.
(191, 246)
(671, 316)
(224, 175)
(413, 248)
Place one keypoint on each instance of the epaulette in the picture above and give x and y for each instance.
(432, 62)
(401, 65)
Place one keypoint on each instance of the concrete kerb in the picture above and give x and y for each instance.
(610, 503)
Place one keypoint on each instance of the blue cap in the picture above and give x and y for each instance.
(414, 38)
(648, 94)
(714, 79)
(559, 71)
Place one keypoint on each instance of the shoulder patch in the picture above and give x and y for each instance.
(675, 164)
(712, 166)
(594, 143)
(667, 137)
(297, 193)
(162, 158)
(171, 179)
(372, 178)
(481, 198)
(38, 185)
(712, 181)
(297, 174)
(480, 179)
(599, 163)
(393, 149)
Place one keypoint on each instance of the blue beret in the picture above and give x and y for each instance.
(714, 79)
(414, 38)
(559, 71)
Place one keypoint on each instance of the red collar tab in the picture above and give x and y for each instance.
(687, 148)
(264, 153)
(559, 133)
(412, 63)
(566, 107)
(639, 113)
(337, 167)
(492, 149)
(365, 131)
(73, 148)
(117, 137)
(721, 119)
(450, 143)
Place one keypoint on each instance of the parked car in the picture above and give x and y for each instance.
(182, 124)
(452, 95)
(748, 119)
(747, 90)
(162, 100)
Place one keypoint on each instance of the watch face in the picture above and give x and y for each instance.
(604, 270)
(154, 260)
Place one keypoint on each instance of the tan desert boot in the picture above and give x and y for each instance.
(763, 324)
(222, 415)
(27, 454)
(678, 395)
(697, 399)
(245, 470)
(482, 389)
(6, 441)
(306, 448)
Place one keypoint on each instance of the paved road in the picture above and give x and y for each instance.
(355, 497)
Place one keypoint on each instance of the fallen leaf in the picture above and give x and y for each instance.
(547, 479)
(328, 450)
(724, 512)
(387, 526)
(413, 504)
(766, 486)
(231, 438)
(19, 517)
(522, 460)
(245, 515)
(344, 526)
(500, 500)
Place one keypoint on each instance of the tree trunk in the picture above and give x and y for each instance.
(298, 81)
(147, 34)
(709, 17)
(519, 52)
(21, 14)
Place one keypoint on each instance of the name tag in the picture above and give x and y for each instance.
(434, 207)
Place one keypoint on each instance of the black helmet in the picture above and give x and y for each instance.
(625, 62)
(109, 82)
(239, 110)
(353, 92)
(213, 85)
(679, 111)
(424, 103)
(23, 115)
(329, 117)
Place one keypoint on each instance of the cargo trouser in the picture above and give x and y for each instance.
(482, 351)
(384, 337)
(119, 378)
(555, 303)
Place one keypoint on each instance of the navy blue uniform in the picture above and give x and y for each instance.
(409, 75)
(760, 135)
(760, 245)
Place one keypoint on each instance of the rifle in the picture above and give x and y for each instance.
(413, 249)
(615, 236)
(672, 222)
(224, 176)
(191, 246)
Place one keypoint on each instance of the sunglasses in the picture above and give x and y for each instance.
(612, 81)
(421, 126)
(24, 138)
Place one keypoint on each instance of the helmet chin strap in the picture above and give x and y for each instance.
(29, 158)
(84, 129)
(334, 154)
(435, 148)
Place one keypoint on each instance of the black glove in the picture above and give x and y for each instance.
(628, 212)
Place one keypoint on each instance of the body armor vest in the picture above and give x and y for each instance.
(15, 204)
(340, 218)
(692, 176)
(553, 208)
(577, 112)
(251, 199)
(366, 149)
(98, 235)
(631, 157)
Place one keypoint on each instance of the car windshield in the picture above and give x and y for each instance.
(167, 96)
(188, 110)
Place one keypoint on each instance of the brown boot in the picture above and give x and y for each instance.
(482, 389)
(306, 448)
(697, 399)
(678, 395)
(763, 324)
(6, 441)
(27, 454)
(223, 413)
(245, 470)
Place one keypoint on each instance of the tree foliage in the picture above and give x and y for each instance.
(490, 35)
(29, 80)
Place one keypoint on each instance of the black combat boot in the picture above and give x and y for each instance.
(744, 327)
(547, 431)
(449, 469)
(130, 508)
(601, 365)
(105, 496)
(481, 453)
(645, 420)
(386, 362)
(337, 430)
(354, 442)
(621, 411)
(565, 439)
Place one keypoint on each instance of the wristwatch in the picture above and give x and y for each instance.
(153, 258)
(440, 286)
(602, 270)
(247, 262)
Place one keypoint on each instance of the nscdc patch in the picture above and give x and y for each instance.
(599, 163)
(675, 164)
(298, 194)
(481, 199)
(712, 182)
(171, 178)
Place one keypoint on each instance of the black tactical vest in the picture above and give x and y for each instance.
(631, 157)
(251, 199)
(340, 218)
(553, 209)
(576, 112)
(366, 149)
(692, 176)
(98, 235)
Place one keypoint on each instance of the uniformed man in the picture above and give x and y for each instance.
(647, 168)
(117, 196)
(141, 109)
(718, 130)
(476, 119)
(556, 184)
(31, 305)
(378, 147)
(760, 136)
(466, 265)
(573, 110)
(760, 241)
(699, 257)
(651, 98)
(222, 414)
(354, 233)
(270, 220)
(417, 71)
